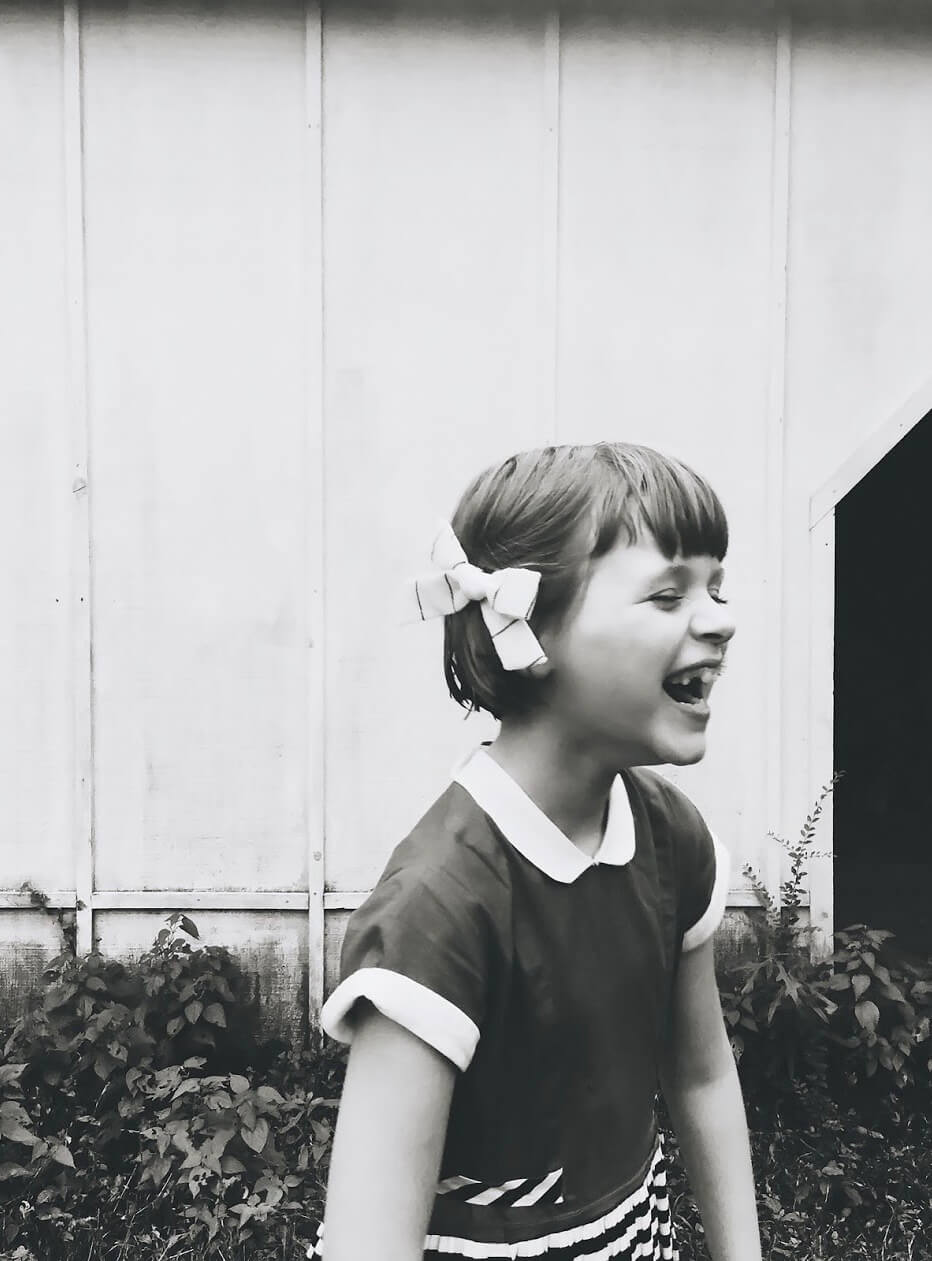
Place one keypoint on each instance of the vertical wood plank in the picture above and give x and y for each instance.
(315, 535)
(666, 241)
(82, 675)
(549, 234)
(775, 630)
(821, 722)
(435, 168)
(36, 764)
(194, 195)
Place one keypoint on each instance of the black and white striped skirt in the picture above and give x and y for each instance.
(639, 1228)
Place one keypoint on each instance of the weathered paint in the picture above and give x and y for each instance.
(283, 327)
(271, 948)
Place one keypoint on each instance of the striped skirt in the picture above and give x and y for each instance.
(639, 1228)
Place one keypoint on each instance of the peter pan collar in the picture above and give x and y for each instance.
(535, 836)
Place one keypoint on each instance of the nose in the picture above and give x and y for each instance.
(712, 621)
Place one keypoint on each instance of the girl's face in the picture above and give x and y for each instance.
(633, 662)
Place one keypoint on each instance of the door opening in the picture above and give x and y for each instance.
(883, 696)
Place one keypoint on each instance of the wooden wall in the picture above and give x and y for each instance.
(278, 281)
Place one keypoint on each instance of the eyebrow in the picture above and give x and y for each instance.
(680, 569)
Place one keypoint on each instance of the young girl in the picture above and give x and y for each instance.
(538, 951)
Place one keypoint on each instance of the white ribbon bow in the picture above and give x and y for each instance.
(506, 598)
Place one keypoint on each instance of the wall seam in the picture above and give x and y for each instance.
(775, 445)
(549, 316)
(79, 436)
(315, 500)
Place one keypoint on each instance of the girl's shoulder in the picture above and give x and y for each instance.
(664, 803)
(452, 845)
(700, 865)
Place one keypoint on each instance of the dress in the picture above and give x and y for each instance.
(545, 976)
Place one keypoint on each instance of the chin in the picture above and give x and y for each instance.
(682, 753)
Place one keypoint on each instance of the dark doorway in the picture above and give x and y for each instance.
(883, 696)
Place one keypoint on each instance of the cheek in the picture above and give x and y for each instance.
(613, 662)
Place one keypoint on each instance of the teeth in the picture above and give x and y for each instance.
(707, 674)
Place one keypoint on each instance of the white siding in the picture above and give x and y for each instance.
(284, 282)
(35, 475)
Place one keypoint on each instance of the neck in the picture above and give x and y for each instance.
(565, 778)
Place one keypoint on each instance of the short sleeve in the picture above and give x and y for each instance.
(418, 950)
(704, 870)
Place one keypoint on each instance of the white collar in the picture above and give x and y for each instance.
(534, 835)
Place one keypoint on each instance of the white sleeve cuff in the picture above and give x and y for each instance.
(705, 926)
(433, 1019)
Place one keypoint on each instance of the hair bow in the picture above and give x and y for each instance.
(506, 598)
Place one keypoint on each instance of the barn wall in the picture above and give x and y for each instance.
(859, 323)
(282, 281)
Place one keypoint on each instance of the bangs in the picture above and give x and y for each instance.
(648, 492)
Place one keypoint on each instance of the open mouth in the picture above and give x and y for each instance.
(692, 686)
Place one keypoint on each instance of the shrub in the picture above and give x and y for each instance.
(835, 1067)
(777, 1006)
(882, 1026)
(141, 1116)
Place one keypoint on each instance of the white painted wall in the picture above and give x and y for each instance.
(284, 281)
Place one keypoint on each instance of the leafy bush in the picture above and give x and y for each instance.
(141, 1116)
(834, 1190)
(853, 1026)
(882, 1027)
(835, 1068)
(777, 1006)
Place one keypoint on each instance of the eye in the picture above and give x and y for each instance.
(666, 599)
(717, 596)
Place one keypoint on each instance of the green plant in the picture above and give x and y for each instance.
(65, 917)
(882, 1028)
(851, 1028)
(141, 1116)
(777, 1006)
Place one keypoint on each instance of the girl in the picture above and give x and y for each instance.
(538, 951)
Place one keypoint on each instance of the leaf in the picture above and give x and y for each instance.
(238, 1084)
(269, 1094)
(16, 1133)
(859, 984)
(867, 1014)
(189, 926)
(892, 991)
(10, 1170)
(63, 1156)
(840, 981)
(215, 1015)
(14, 1111)
(193, 1011)
(258, 1137)
(230, 1165)
(175, 1025)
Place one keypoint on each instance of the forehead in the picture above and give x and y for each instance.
(641, 562)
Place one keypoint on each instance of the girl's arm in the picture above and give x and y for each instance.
(700, 1086)
(388, 1144)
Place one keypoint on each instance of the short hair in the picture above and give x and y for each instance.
(555, 510)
